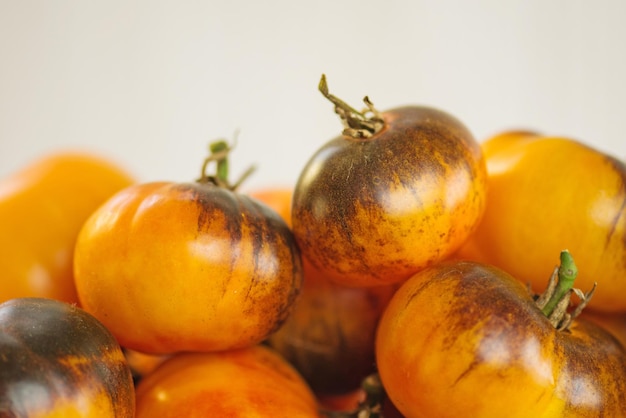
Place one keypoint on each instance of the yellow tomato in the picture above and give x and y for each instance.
(42, 208)
(546, 194)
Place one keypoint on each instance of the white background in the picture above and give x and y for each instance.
(151, 83)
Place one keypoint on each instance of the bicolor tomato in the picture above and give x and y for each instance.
(397, 191)
(56, 360)
(195, 266)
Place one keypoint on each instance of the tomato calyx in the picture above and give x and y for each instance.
(555, 301)
(372, 404)
(219, 152)
(357, 125)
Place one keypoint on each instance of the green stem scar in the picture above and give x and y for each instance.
(555, 301)
(357, 124)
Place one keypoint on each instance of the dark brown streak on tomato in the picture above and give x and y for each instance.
(269, 229)
(422, 287)
(620, 169)
(482, 293)
(212, 199)
(262, 233)
(467, 371)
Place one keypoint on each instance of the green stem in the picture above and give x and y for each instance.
(566, 275)
(216, 149)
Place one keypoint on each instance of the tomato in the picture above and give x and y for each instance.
(549, 193)
(467, 339)
(198, 266)
(396, 192)
(250, 382)
(56, 360)
(329, 336)
(42, 207)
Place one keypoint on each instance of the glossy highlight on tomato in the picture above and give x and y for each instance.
(42, 208)
(397, 191)
(56, 360)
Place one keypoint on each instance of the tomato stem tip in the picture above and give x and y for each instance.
(555, 301)
(357, 124)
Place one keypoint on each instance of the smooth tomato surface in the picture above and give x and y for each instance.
(42, 208)
(187, 267)
(278, 198)
(254, 382)
(547, 194)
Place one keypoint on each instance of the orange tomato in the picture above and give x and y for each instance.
(467, 339)
(547, 194)
(247, 383)
(187, 267)
(397, 191)
(42, 208)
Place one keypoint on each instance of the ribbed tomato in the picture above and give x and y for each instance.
(171, 267)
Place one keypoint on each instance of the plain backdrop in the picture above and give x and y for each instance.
(150, 83)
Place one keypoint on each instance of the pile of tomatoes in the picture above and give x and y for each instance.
(411, 271)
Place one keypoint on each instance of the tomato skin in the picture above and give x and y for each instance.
(466, 339)
(278, 198)
(613, 322)
(42, 207)
(361, 207)
(329, 337)
(550, 193)
(193, 267)
(250, 382)
(59, 361)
